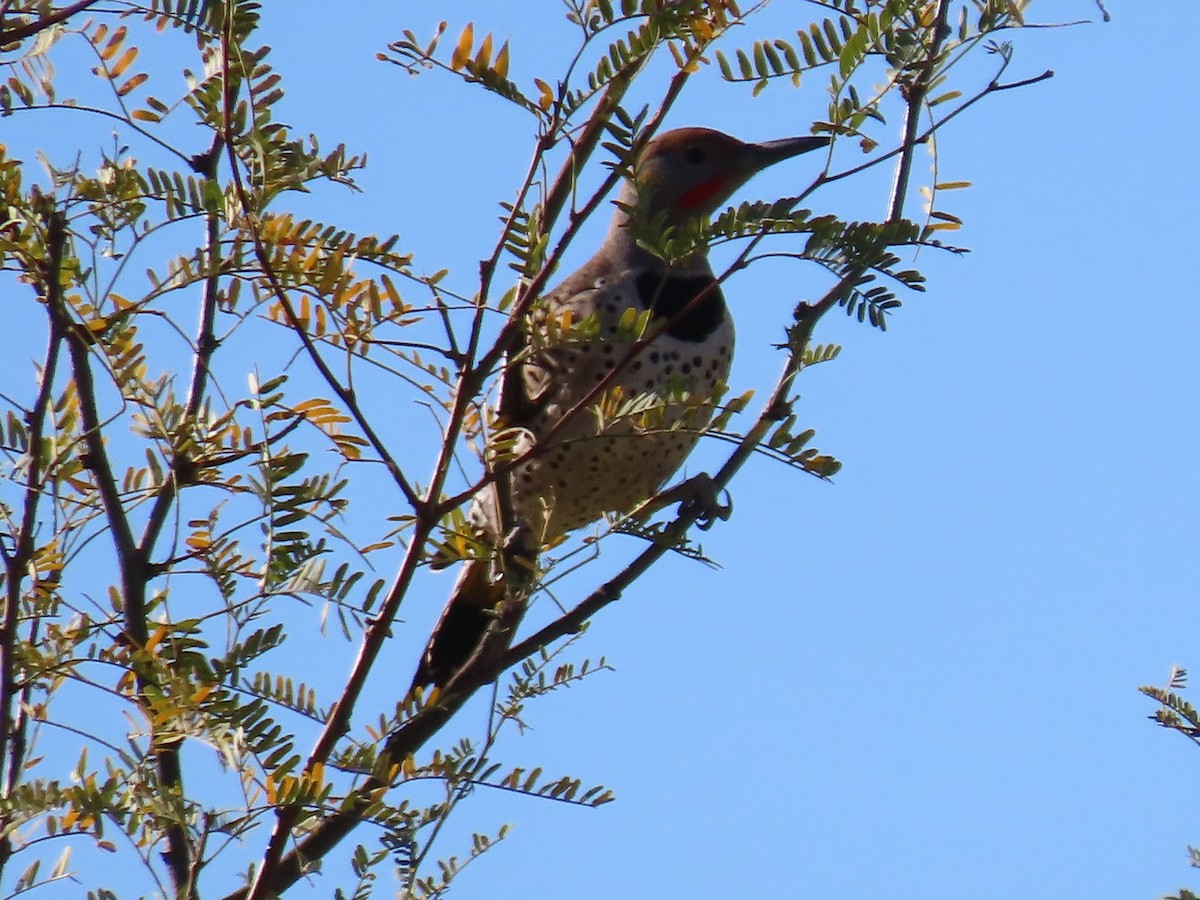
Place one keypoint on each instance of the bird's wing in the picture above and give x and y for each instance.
(531, 373)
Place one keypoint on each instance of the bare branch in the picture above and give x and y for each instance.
(20, 32)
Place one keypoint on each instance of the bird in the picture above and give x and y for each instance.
(602, 420)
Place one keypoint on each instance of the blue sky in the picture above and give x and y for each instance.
(919, 680)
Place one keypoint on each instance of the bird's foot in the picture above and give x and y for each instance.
(698, 494)
(518, 558)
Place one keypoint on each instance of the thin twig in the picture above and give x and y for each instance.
(203, 349)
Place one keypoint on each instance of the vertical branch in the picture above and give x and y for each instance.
(274, 873)
(915, 94)
(12, 737)
(205, 346)
(131, 562)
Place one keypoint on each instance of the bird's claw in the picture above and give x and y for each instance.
(696, 495)
(518, 555)
(706, 502)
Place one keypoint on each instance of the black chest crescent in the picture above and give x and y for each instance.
(693, 305)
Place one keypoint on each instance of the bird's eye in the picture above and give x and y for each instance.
(694, 156)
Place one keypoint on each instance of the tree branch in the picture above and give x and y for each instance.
(12, 736)
(134, 571)
(205, 347)
(20, 32)
(915, 95)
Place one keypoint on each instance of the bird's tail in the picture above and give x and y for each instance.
(461, 629)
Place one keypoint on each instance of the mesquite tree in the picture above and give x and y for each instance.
(249, 429)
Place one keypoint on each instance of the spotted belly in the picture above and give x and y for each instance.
(622, 446)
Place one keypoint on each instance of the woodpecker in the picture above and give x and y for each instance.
(603, 422)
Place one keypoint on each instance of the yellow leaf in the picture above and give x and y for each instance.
(334, 268)
(202, 693)
(392, 293)
(347, 448)
(132, 83)
(546, 98)
(156, 637)
(501, 65)
(463, 51)
(114, 44)
(144, 115)
(123, 63)
(484, 56)
(201, 540)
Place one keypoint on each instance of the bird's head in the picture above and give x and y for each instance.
(687, 173)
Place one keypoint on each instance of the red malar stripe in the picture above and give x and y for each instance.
(702, 193)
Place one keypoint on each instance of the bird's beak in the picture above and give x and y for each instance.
(770, 152)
